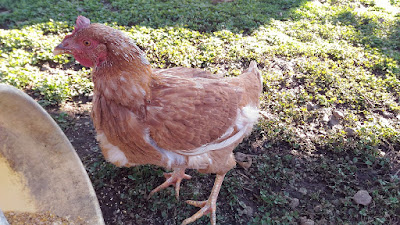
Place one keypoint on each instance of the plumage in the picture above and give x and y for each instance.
(177, 118)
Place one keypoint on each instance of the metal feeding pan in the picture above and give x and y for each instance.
(43, 162)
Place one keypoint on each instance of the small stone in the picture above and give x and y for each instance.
(302, 136)
(294, 203)
(339, 115)
(310, 106)
(325, 118)
(333, 121)
(362, 197)
(243, 160)
(336, 202)
(246, 211)
(305, 221)
(318, 208)
(246, 165)
(44, 68)
(387, 115)
(303, 191)
(350, 131)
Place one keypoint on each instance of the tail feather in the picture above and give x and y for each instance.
(254, 69)
(250, 82)
(252, 66)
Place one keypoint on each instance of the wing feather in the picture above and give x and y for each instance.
(190, 108)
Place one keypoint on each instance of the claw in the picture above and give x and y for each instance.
(208, 206)
(175, 178)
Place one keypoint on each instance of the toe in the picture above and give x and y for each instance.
(199, 204)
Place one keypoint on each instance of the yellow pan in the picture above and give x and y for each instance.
(40, 168)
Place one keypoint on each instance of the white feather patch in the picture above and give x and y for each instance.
(251, 113)
(171, 157)
(227, 132)
(112, 154)
(199, 161)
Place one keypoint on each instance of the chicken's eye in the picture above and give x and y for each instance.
(86, 43)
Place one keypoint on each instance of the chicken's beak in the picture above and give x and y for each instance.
(61, 49)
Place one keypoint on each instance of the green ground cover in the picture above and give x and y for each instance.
(318, 59)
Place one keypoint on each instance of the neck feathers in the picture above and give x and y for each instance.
(122, 52)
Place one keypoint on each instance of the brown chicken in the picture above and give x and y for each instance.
(178, 118)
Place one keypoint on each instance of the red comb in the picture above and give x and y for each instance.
(81, 22)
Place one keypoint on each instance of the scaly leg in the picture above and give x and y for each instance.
(174, 179)
(208, 206)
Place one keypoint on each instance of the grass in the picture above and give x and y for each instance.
(316, 58)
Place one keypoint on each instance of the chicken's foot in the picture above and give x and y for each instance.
(208, 206)
(174, 179)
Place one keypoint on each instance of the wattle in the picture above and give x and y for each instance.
(84, 61)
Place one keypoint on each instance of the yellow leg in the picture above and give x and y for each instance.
(174, 179)
(208, 206)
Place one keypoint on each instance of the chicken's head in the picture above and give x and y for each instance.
(83, 44)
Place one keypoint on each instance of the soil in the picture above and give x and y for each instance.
(79, 129)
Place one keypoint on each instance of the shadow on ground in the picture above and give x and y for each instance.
(203, 16)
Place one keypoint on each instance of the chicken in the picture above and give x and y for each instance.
(177, 118)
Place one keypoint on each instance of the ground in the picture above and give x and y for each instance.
(330, 124)
(312, 185)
